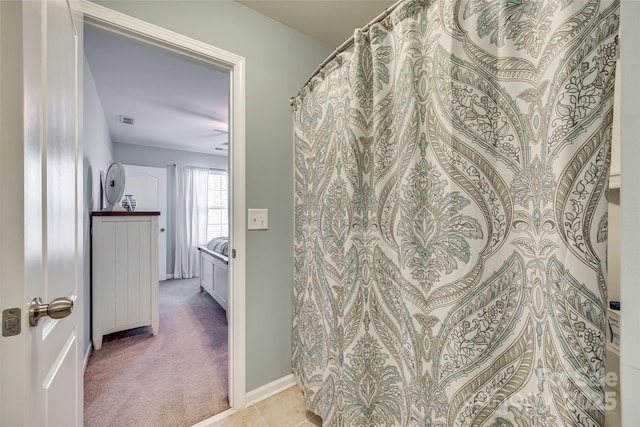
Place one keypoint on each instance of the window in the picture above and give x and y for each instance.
(217, 204)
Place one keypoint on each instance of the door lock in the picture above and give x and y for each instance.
(11, 322)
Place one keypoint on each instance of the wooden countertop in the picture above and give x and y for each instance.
(125, 213)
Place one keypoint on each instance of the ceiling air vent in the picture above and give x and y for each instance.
(127, 120)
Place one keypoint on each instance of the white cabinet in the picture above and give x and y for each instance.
(125, 272)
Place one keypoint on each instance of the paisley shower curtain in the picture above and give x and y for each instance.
(451, 177)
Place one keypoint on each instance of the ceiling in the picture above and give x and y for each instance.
(177, 102)
(330, 21)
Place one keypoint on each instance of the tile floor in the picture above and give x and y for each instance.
(285, 409)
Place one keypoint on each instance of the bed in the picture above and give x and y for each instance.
(214, 270)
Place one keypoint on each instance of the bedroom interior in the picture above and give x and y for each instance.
(177, 133)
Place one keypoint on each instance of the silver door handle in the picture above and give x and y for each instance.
(56, 309)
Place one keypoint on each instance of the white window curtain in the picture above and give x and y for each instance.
(218, 220)
(191, 219)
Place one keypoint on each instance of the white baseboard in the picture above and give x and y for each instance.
(209, 421)
(169, 276)
(270, 389)
(253, 397)
(87, 353)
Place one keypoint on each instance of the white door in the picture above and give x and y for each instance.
(148, 185)
(40, 211)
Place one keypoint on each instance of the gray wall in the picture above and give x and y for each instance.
(630, 221)
(140, 155)
(98, 153)
(279, 60)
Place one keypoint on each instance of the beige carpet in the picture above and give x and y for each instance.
(176, 378)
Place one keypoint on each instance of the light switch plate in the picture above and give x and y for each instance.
(258, 219)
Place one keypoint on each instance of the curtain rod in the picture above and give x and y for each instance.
(349, 42)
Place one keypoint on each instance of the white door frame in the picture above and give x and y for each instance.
(132, 27)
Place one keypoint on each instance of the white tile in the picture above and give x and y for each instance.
(285, 409)
(248, 417)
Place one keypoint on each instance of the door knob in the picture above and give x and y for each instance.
(56, 309)
(162, 229)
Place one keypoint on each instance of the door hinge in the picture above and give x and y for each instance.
(233, 253)
(11, 322)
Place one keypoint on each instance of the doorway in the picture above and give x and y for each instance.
(124, 25)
